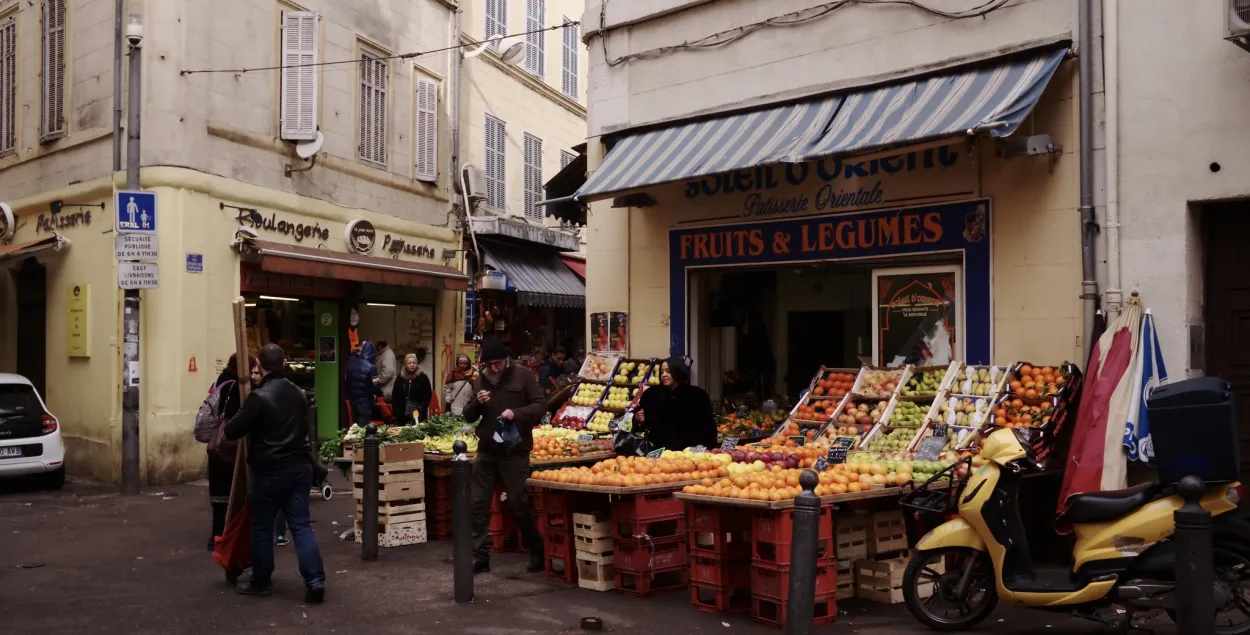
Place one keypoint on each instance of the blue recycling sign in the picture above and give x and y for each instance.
(134, 212)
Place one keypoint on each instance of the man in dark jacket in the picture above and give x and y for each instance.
(274, 420)
(361, 383)
(508, 393)
(552, 368)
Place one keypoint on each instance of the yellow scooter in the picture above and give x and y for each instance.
(1124, 555)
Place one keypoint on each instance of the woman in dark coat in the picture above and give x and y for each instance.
(677, 415)
(412, 392)
(361, 383)
(221, 468)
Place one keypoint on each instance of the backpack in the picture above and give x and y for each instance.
(208, 419)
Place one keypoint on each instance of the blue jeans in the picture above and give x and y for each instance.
(285, 492)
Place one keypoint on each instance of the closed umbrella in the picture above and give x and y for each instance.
(1151, 372)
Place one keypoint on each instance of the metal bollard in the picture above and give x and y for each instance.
(369, 498)
(801, 612)
(1195, 562)
(461, 524)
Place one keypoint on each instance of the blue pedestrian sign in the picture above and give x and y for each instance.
(134, 212)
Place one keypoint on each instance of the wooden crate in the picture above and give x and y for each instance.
(595, 575)
(395, 513)
(887, 533)
(850, 536)
(846, 579)
(392, 453)
(592, 525)
(881, 581)
(592, 544)
(399, 481)
(397, 534)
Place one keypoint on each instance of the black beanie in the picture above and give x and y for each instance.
(493, 350)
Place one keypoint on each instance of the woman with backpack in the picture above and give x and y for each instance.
(223, 402)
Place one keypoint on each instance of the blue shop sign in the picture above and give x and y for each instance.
(961, 228)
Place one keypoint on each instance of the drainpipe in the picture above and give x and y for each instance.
(1111, 95)
(456, 58)
(1089, 285)
(118, 9)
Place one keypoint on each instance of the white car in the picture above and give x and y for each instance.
(30, 437)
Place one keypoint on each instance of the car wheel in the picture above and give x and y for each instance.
(54, 480)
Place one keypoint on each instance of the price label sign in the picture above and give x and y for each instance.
(614, 425)
(729, 444)
(820, 464)
(582, 438)
(844, 442)
(655, 454)
(837, 455)
(743, 412)
(930, 449)
(799, 441)
(698, 448)
(939, 429)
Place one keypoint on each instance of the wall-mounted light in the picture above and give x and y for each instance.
(378, 304)
(56, 206)
(278, 298)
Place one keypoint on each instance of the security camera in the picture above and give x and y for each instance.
(134, 30)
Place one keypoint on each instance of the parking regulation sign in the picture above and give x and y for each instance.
(137, 275)
(134, 211)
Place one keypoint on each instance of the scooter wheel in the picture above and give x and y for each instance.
(327, 491)
(941, 569)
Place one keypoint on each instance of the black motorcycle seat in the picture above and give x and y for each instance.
(1097, 507)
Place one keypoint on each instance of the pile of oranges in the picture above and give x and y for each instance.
(781, 484)
(635, 471)
(1036, 383)
(834, 385)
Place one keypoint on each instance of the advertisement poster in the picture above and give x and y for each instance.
(79, 298)
(917, 319)
(620, 331)
(326, 350)
(600, 340)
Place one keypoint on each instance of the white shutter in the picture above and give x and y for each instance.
(535, 39)
(299, 76)
(52, 72)
(373, 80)
(8, 87)
(533, 176)
(570, 59)
(496, 164)
(566, 158)
(427, 130)
(496, 19)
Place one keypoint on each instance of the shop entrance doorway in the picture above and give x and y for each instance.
(807, 352)
(1227, 302)
(31, 286)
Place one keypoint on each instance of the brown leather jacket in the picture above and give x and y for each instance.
(517, 391)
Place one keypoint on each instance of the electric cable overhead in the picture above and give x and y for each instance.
(401, 56)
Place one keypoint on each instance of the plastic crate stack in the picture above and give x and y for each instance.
(438, 501)
(649, 534)
(592, 539)
(556, 528)
(720, 559)
(502, 536)
(771, 538)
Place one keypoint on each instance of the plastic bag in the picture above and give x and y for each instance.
(506, 436)
(629, 444)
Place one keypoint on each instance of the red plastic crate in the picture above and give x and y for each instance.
(502, 542)
(642, 555)
(561, 568)
(556, 504)
(718, 531)
(536, 499)
(641, 508)
(495, 503)
(556, 543)
(652, 583)
(773, 612)
(772, 533)
(720, 600)
(501, 521)
(773, 582)
(706, 571)
(662, 528)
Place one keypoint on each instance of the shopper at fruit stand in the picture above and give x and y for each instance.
(275, 421)
(504, 393)
(552, 368)
(221, 458)
(386, 368)
(361, 383)
(574, 364)
(412, 392)
(458, 389)
(677, 415)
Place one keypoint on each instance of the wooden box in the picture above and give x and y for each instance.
(392, 452)
(887, 533)
(881, 581)
(850, 536)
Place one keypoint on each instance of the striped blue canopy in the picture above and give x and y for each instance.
(993, 98)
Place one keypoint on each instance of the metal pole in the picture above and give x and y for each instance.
(130, 311)
(806, 530)
(1089, 284)
(369, 499)
(118, 10)
(1195, 562)
(461, 524)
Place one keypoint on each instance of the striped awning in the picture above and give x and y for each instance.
(992, 99)
(538, 275)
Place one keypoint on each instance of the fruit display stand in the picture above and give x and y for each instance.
(599, 367)
(401, 493)
(824, 394)
(637, 372)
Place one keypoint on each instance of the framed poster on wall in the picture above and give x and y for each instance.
(600, 329)
(917, 315)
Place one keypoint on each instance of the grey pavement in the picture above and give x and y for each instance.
(86, 560)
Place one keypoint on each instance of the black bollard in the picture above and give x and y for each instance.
(801, 612)
(461, 524)
(369, 498)
(1195, 562)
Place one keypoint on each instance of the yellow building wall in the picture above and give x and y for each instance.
(1035, 234)
(188, 316)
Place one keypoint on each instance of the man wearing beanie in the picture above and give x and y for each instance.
(504, 392)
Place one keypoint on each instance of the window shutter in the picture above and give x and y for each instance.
(566, 158)
(535, 39)
(427, 130)
(299, 76)
(496, 19)
(496, 163)
(533, 176)
(570, 59)
(373, 79)
(8, 87)
(52, 72)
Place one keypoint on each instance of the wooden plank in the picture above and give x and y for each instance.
(395, 509)
(574, 460)
(394, 491)
(417, 465)
(384, 479)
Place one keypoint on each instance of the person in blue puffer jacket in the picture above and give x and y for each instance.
(361, 383)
